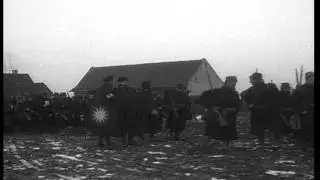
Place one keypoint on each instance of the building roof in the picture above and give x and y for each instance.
(16, 84)
(40, 88)
(163, 74)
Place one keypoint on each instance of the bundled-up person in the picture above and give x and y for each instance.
(276, 124)
(286, 105)
(257, 102)
(178, 106)
(222, 115)
(304, 110)
(102, 114)
(146, 122)
(124, 98)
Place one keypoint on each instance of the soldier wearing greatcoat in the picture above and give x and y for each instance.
(102, 115)
(124, 98)
(286, 105)
(304, 110)
(257, 102)
(178, 105)
(222, 113)
(146, 109)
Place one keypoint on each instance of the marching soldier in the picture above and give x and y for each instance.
(275, 124)
(304, 110)
(286, 105)
(146, 105)
(103, 120)
(148, 117)
(125, 101)
(257, 103)
(178, 104)
(222, 113)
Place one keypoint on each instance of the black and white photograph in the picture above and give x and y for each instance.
(158, 89)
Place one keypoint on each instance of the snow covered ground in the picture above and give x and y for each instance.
(56, 157)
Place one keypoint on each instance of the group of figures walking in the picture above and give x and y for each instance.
(283, 112)
(126, 113)
(132, 114)
(41, 113)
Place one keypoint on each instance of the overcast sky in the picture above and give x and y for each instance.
(57, 41)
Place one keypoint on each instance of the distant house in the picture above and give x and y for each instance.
(40, 89)
(15, 84)
(196, 75)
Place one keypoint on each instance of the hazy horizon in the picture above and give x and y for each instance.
(56, 42)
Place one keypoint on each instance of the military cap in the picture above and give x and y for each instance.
(146, 85)
(121, 79)
(108, 78)
(256, 76)
(231, 78)
(309, 74)
(285, 85)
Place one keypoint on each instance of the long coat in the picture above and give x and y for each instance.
(125, 101)
(102, 108)
(178, 107)
(227, 101)
(275, 123)
(304, 108)
(146, 122)
(257, 101)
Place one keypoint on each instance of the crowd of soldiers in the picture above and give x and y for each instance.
(41, 113)
(284, 112)
(130, 113)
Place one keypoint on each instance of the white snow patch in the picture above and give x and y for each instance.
(109, 151)
(80, 165)
(162, 153)
(116, 159)
(60, 168)
(133, 170)
(80, 148)
(187, 174)
(145, 159)
(74, 159)
(151, 169)
(157, 162)
(276, 173)
(167, 146)
(91, 168)
(68, 177)
(285, 161)
(78, 155)
(37, 162)
(213, 178)
(41, 177)
(103, 170)
(109, 175)
(56, 148)
(99, 154)
(55, 143)
(217, 156)
(161, 158)
(36, 148)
